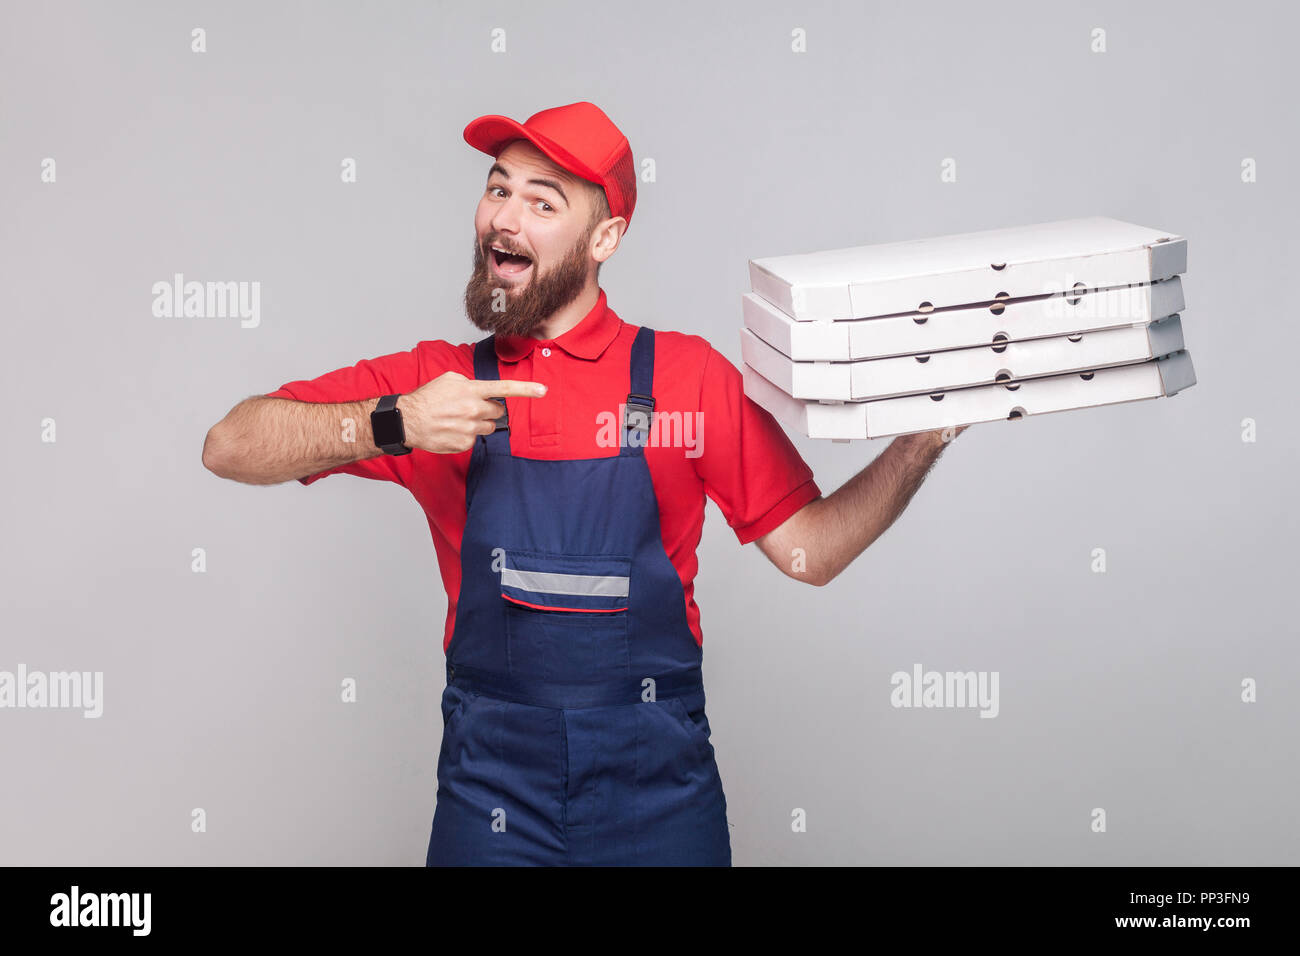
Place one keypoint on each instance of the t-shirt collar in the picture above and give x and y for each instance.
(588, 339)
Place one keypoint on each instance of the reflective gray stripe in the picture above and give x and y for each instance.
(551, 582)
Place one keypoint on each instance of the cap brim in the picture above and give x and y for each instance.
(489, 134)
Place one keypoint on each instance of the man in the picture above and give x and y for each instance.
(563, 464)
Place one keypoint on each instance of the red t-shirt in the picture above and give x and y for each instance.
(732, 450)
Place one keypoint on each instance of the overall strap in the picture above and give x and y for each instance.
(485, 369)
(639, 410)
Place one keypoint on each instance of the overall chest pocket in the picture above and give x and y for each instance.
(566, 614)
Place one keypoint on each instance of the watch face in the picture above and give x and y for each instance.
(387, 427)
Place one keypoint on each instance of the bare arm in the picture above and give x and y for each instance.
(264, 441)
(833, 531)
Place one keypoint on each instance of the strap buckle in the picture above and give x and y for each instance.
(503, 423)
(638, 414)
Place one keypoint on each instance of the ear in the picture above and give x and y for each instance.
(606, 236)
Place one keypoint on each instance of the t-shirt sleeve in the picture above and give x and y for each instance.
(393, 374)
(749, 466)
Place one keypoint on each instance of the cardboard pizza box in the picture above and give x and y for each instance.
(960, 368)
(922, 275)
(1014, 320)
(881, 418)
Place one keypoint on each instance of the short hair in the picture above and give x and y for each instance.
(600, 203)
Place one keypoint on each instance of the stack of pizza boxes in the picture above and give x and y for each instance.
(930, 334)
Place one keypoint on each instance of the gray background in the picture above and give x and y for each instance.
(1118, 690)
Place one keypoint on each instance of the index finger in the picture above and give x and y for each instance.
(508, 388)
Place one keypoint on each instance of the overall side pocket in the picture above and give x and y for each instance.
(456, 702)
(678, 709)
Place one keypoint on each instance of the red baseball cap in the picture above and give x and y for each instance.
(579, 138)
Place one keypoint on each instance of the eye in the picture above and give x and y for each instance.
(493, 189)
(549, 207)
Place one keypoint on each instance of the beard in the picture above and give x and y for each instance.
(499, 307)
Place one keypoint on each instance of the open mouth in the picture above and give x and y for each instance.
(508, 263)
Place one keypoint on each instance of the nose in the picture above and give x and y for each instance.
(506, 218)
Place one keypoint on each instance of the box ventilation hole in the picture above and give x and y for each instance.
(920, 321)
(936, 396)
(925, 307)
(1000, 342)
(1017, 413)
(998, 266)
(922, 358)
(1003, 376)
(999, 303)
(1086, 376)
(1078, 290)
(1076, 337)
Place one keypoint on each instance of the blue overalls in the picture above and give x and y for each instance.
(574, 726)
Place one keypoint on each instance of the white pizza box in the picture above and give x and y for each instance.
(1013, 320)
(920, 275)
(968, 406)
(959, 368)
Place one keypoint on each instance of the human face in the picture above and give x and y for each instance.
(542, 213)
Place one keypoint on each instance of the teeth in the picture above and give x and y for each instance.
(509, 253)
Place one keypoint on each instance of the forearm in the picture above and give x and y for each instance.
(264, 441)
(840, 527)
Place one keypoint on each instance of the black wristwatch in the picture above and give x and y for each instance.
(386, 426)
